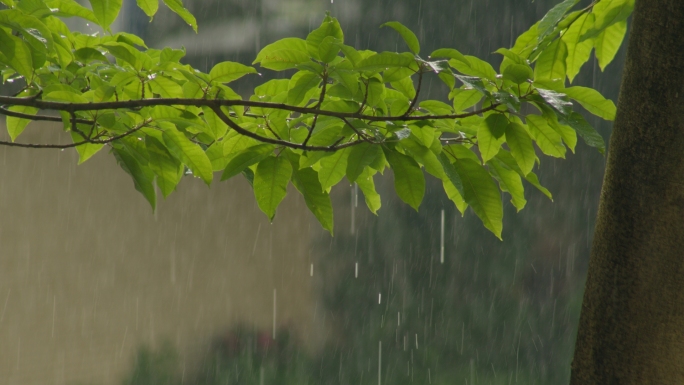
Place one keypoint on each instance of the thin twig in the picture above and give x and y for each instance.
(242, 131)
(76, 144)
(318, 106)
(415, 98)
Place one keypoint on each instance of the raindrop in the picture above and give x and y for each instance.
(441, 240)
(379, 298)
(274, 314)
(356, 270)
(398, 319)
(416, 341)
(311, 271)
(380, 363)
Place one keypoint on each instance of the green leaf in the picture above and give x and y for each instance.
(464, 99)
(586, 131)
(593, 101)
(556, 100)
(106, 11)
(330, 27)
(15, 126)
(509, 181)
(609, 13)
(608, 43)
(283, 54)
(246, 158)
(406, 34)
(490, 135)
(405, 86)
(367, 186)
(270, 183)
(520, 143)
(384, 60)
(333, 169)
(328, 49)
(449, 53)
(508, 160)
(228, 71)
(317, 200)
(481, 194)
(551, 62)
(474, 67)
(409, 181)
(549, 21)
(16, 53)
(361, 156)
(35, 8)
(166, 87)
(150, 7)
(297, 94)
(177, 7)
(187, 152)
(85, 151)
(168, 169)
(578, 51)
(518, 73)
(548, 140)
(70, 8)
(143, 177)
(527, 42)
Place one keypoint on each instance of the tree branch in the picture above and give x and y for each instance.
(131, 104)
(46, 118)
(415, 98)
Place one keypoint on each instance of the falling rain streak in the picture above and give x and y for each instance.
(441, 239)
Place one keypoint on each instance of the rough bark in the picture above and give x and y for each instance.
(632, 322)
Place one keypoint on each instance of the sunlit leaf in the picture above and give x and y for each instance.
(188, 152)
(177, 7)
(150, 7)
(551, 62)
(608, 43)
(228, 71)
(85, 151)
(490, 135)
(509, 181)
(105, 11)
(246, 158)
(548, 140)
(520, 143)
(15, 126)
(333, 169)
(549, 21)
(406, 34)
(593, 101)
(578, 51)
(367, 186)
(16, 53)
(270, 183)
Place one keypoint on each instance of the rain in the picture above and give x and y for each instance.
(95, 288)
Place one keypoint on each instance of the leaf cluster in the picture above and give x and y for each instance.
(342, 114)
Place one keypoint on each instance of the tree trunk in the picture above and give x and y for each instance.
(632, 322)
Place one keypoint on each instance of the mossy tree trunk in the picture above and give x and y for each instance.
(632, 322)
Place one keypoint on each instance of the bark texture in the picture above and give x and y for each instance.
(632, 322)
